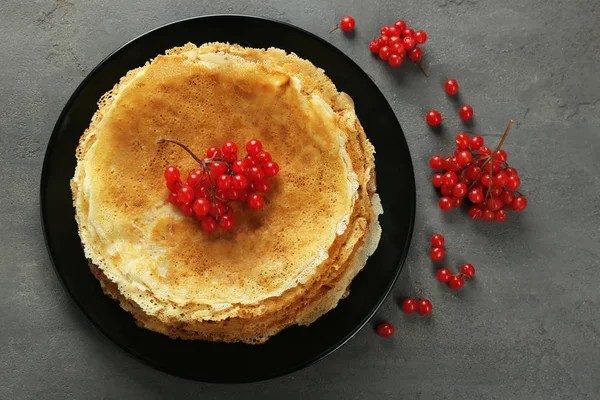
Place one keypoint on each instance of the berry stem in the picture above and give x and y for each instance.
(422, 69)
(183, 146)
(503, 137)
(334, 29)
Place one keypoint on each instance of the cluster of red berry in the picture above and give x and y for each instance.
(444, 275)
(409, 305)
(481, 175)
(398, 41)
(221, 178)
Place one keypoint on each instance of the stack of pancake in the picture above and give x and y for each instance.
(286, 264)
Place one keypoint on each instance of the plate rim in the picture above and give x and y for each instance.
(45, 226)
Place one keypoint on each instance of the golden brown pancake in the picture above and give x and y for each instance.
(285, 264)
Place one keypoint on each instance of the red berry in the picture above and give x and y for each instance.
(476, 195)
(467, 270)
(457, 202)
(271, 168)
(437, 240)
(496, 191)
(445, 203)
(456, 282)
(487, 215)
(208, 224)
(494, 203)
(384, 52)
(185, 194)
(383, 39)
(475, 212)
(453, 164)
(466, 112)
(186, 209)
(255, 173)
(507, 197)
(395, 60)
(174, 185)
(230, 147)
(393, 40)
(393, 31)
(173, 199)
(398, 49)
(385, 30)
(385, 330)
(472, 172)
(420, 37)
(443, 275)
(248, 162)
(485, 151)
(217, 209)
(213, 151)
(408, 32)
(408, 43)
(262, 185)
(239, 167)
(445, 189)
(347, 23)
(193, 179)
(253, 147)
(519, 203)
(500, 179)
(243, 196)
(436, 162)
(172, 173)
(374, 46)
(501, 156)
(201, 192)
(450, 178)
(437, 253)
(513, 182)
(437, 180)
(409, 305)
(476, 142)
(485, 180)
(509, 171)
(224, 182)
(462, 141)
(201, 206)
(433, 118)
(400, 25)
(451, 86)
(233, 194)
(255, 201)
(464, 158)
(263, 157)
(424, 307)
(226, 222)
(415, 54)
(460, 190)
(501, 215)
(239, 182)
(219, 167)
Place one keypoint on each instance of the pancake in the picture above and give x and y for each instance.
(285, 264)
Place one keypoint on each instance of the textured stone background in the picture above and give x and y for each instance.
(528, 328)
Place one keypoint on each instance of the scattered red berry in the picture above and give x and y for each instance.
(437, 240)
(409, 305)
(443, 275)
(424, 307)
(466, 112)
(385, 329)
(467, 270)
(347, 23)
(433, 118)
(456, 281)
(451, 86)
(437, 253)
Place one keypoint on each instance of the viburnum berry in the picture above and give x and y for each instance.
(409, 305)
(186, 209)
(476, 142)
(456, 281)
(226, 222)
(347, 23)
(395, 60)
(424, 307)
(254, 147)
(467, 270)
(451, 86)
(519, 203)
(271, 168)
(466, 112)
(400, 25)
(385, 52)
(433, 118)
(420, 37)
(415, 54)
(437, 240)
(385, 329)
(408, 32)
(209, 224)
(445, 203)
(255, 201)
(173, 199)
(500, 215)
(374, 46)
(437, 180)
(437, 253)
(443, 275)
(172, 173)
(185, 194)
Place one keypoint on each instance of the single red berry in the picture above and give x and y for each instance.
(466, 112)
(239, 167)
(476, 142)
(462, 141)
(201, 206)
(398, 49)
(464, 158)
(445, 203)
(213, 152)
(499, 179)
(186, 209)
(263, 157)
(496, 191)
(385, 329)
(437, 253)
(445, 189)
(173, 199)
(393, 40)
(172, 173)
(460, 190)
(409, 305)
(443, 275)
(507, 197)
(501, 215)
(243, 196)
(494, 203)
(437, 240)
(208, 224)
(255, 173)
(230, 147)
(174, 185)
(185, 194)
(437, 180)
(436, 162)
(217, 209)
(218, 167)
(385, 30)
(347, 23)
(271, 168)
(475, 212)
(456, 282)
(509, 171)
(513, 182)
(255, 201)
(450, 178)
(519, 203)
(408, 43)
(408, 32)
(262, 185)
(453, 164)
(233, 194)
(415, 54)
(487, 215)
(224, 182)
(254, 147)
(456, 201)
(472, 172)
(467, 270)
(485, 180)
(420, 37)
(374, 46)
(383, 39)
(433, 118)
(424, 307)
(395, 60)
(240, 182)
(485, 151)
(201, 192)
(210, 178)
(193, 179)
(400, 25)
(249, 161)
(476, 195)
(501, 156)
(226, 222)
(451, 86)
(384, 52)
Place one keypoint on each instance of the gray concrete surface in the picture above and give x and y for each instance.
(528, 328)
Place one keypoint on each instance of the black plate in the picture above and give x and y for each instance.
(293, 348)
